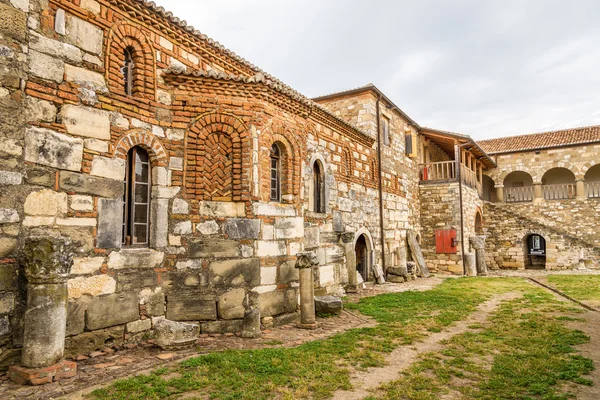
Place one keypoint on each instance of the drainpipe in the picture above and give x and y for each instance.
(457, 156)
(380, 178)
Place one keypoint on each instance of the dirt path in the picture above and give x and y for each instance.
(403, 357)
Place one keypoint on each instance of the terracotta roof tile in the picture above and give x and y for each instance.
(543, 140)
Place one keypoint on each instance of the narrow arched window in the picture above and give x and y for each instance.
(319, 188)
(136, 219)
(275, 173)
(127, 70)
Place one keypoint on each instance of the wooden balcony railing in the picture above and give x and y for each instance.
(592, 190)
(470, 178)
(559, 192)
(438, 171)
(518, 194)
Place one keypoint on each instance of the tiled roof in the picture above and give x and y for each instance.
(543, 140)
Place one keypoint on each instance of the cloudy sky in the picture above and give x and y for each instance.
(483, 68)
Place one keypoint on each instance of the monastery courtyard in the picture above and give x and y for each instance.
(534, 336)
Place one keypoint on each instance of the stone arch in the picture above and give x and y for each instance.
(479, 222)
(502, 176)
(583, 169)
(121, 36)
(146, 140)
(214, 158)
(317, 158)
(292, 160)
(533, 261)
(347, 162)
(368, 260)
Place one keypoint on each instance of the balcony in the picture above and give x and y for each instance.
(445, 171)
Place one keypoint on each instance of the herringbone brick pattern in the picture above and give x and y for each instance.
(217, 175)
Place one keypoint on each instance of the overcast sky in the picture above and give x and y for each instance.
(483, 68)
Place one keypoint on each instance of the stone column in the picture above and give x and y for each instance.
(538, 193)
(251, 325)
(471, 264)
(580, 189)
(478, 244)
(348, 242)
(47, 264)
(305, 262)
(499, 193)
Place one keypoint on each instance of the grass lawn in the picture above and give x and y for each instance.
(580, 287)
(317, 369)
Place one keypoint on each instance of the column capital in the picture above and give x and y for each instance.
(47, 259)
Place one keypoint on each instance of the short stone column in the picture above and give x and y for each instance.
(471, 264)
(580, 189)
(538, 192)
(499, 193)
(47, 264)
(305, 263)
(251, 324)
(348, 242)
(478, 244)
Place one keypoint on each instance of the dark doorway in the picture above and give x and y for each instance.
(362, 257)
(535, 252)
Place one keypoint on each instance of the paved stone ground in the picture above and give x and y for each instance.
(100, 368)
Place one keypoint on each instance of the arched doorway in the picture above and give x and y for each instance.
(478, 224)
(489, 189)
(362, 257)
(535, 251)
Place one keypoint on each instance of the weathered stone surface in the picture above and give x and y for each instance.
(46, 202)
(136, 279)
(208, 228)
(328, 305)
(81, 203)
(93, 286)
(83, 183)
(289, 228)
(338, 225)
(291, 300)
(40, 110)
(86, 121)
(159, 220)
(221, 326)
(110, 224)
(8, 277)
(191, 306)
(154, 301)
(85, 77)
(60, 22)
(235, 272)
(183, 228)
(87, 342)
(271, 303)
(135, 259)
(199, 248)
(84, 35)
(7, 303)
(11, 147)
(270, 248)
(76, 315)
(221, 208)
(99, 146)
(140, 325)
(111, 310)
(86, 265)
(273, 210)
(230, 304)
(112, 168)
(46, 67)
(13, 22)
(11, 178)
(7, 246)
(180, 206)
(55, 48)
(415, 249)
(397, 271)
(238, 228)
(8, 216)
(251, 325)
(470, 264)
(46, 147)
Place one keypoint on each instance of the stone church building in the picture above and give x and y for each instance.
(187, 178)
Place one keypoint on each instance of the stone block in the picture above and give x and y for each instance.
(181, 206)
(238, 228)
(94, 285)
(81, 203)
(55, 48)
(338, 224)
(86, 265)
(4, 326)
(154, 301)
(86, 121)
(273, 210)
(11, 147)
(76, 315)
(183, 228)
(11, 178)
(328, 305)
(140, 325)
(209, 247)
(83, 34)
(230, 304)
(289, 228)
(270, 248)
(53, 149)
(8, 277)
(208, 228)
(137, 279)
(13, 22)
(271, 303)
(159, 221)
(60, 22)
(110, 223)
(40, 177)
(111, 310)
(191, 306)
(9, 216)
(291, 301)
(176, 163)
(135, 259)
(171, 335)
(40, 110)
(112, 168)
(46, 67)
(7, 303)
(221, 209)
(238, 272)
(85, 77)
(326, 275)
(268, 275)
(46, 202)
(288, 272)
(164, 192)
(38, 221)
(286, 319)
(87, 342)
(96, 145)
(222, 326)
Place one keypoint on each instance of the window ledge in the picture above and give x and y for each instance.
(316, 215)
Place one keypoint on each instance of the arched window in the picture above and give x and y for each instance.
(275, 173)
(136, 198)
(319, 188)
(127, 70)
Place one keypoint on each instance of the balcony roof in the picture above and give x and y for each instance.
(446, 141)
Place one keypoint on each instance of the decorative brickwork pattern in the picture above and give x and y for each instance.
(121, 37)
(214, 146)
(138, 137)
(290, 162)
